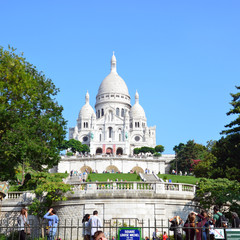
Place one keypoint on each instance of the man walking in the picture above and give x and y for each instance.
(94, 223)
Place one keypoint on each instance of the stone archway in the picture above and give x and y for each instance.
(112, 169)
(109, 151)
(84, 168)
(119, 151)
(99, 151)
(138, 170)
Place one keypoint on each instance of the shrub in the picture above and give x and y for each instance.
(69, 154)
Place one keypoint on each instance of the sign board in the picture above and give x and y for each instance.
(129, 234)
(219, 233)
(233, 234)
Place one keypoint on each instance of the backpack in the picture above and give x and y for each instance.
(221, 220)
(173, 226)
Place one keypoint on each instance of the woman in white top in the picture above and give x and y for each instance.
(22, 219)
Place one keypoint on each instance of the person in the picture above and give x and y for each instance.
(86, 228)
(165, 236)
(99, 235)
(154, 235)
(189, 226)
(22, 219)
(235, 220)
(216, 217)
(202, 226)
(176, 222)
(94, 223)
(52, 223)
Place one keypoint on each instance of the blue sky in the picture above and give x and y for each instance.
(183, 57)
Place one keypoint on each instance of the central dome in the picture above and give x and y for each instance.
(113, 83)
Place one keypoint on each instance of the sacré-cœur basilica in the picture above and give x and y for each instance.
(112, 132)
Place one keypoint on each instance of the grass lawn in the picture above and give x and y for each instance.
(103, 177)
(180, 179)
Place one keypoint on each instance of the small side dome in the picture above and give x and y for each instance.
(87, 111)
(137, 111)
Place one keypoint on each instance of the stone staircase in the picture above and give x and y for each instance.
(149, 177)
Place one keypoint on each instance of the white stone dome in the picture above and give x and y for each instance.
(113, 83)
(137, 111)
(87, 110)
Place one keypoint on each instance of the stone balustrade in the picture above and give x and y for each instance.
(157, 187)
(122, 188)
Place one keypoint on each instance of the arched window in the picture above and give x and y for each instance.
(131, 125)
(110, 132)
(135, 124)
(98, 115)
(100, 137)
(120, 137)
(138, 124)
(86, 124)
(117, 111)
(122, 113)
(102, 112)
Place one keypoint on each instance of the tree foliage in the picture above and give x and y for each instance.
(234, 126)
(74, 146)
(185, 154)
(49, 189)
(159, 148)
(220, 192)
(227, 153)
(32, 125)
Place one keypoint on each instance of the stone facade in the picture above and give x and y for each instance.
(122, 163)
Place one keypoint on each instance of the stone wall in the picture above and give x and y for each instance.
(123, 163)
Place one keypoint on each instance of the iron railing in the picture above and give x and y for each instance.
(73, 229)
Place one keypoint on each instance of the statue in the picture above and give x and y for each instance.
(126, 135)
(92, 135)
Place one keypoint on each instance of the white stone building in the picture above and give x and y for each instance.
(115, 127)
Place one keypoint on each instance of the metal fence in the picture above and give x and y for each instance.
(73, 229)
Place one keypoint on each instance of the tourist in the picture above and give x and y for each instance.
(99, 235)
(154, 235)
(189, 226)
(86, 227)
(94, 223)
(235, 220)
(202, 226)
(22, 220)
(52, 223)
(176, 222)
(217, 218)
(165, 236)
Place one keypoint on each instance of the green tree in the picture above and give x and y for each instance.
(32, 125)
(227, 152)
(185, 155)
(49, 189)
(74, 146)
(159, 148)
(234, 126)
(218, 192)
(205, 167)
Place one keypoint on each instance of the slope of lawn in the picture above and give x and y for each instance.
(179, 179)
(103, 177)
